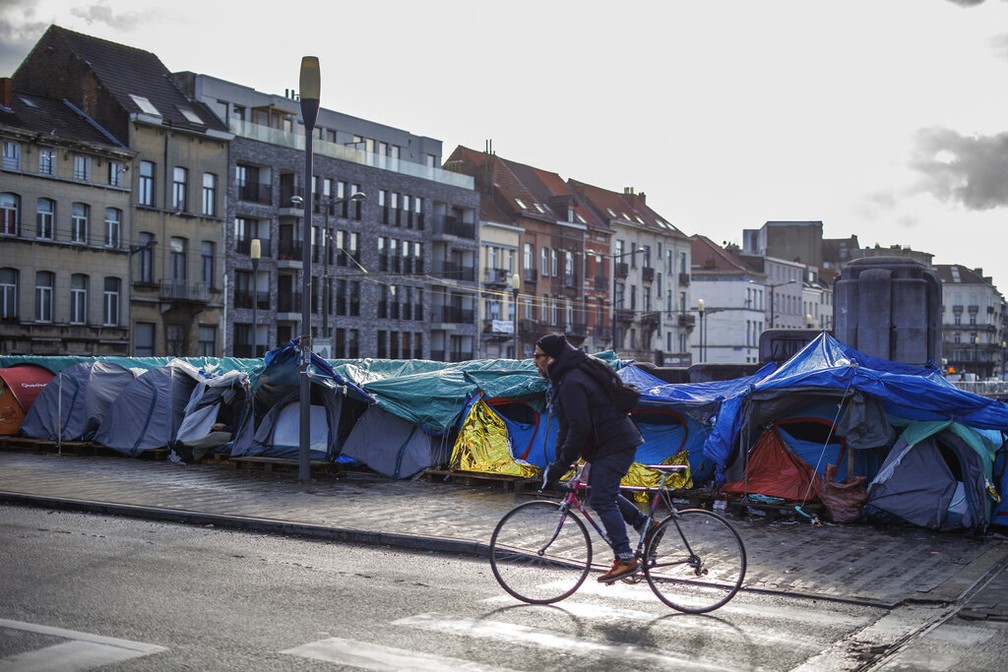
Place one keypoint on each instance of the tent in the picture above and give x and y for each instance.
(335, 405)
(392, 446)
(936, 476)
(775, 471)
(72, 405)
(19, 386)
(870, 395)
(503, 436)
(219, 412)
(149, 410)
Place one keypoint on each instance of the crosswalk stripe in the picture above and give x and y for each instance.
(82, 652)
(520, 634)
(368, 656)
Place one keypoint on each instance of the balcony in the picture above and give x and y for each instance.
(686, 320)
(647, 274)
(243, 246)
(289, 250)
(449, 225)
(528, 327)
(601, 281)
(530, 275)
(184, 292)
(651, 319)
(570, 280)
(255, 192)
(498, 278)
(452, 315)
(450, 270)
(624, 315)
(493, 330)
(243, 299)
(576, 330)
(622, 269)
(289, 303)
(684, 279)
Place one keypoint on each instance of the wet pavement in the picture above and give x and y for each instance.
(861, 563)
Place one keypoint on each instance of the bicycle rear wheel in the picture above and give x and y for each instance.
(536, 558)
(696, 561)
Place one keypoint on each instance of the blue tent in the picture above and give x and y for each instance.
(868, 393)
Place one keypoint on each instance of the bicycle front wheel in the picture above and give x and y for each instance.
(537, 556)
(696, 561)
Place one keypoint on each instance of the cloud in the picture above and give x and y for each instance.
(967, 3)
(1000, 45)
(969, 170)
(101, 13)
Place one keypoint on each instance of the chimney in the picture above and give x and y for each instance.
(6, 91)
(643, 197)
(628, 191)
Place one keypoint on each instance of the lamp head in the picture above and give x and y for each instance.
(310, 91)
(358, 196)
(701, 306)
(255, 251)
(516, 282)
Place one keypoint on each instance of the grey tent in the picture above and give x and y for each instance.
(150, 409)
(279, 432)
(219, 413)
(73, 404)
(934, 477)
(392, 446)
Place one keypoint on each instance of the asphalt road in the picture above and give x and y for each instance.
(83, 590)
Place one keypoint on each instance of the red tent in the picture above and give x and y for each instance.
(19, 385)
(775, 471)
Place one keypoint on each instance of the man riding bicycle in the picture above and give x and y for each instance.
(591, 428)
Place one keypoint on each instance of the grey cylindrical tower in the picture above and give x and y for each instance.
(890, 307)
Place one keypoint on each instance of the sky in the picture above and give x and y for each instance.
(884, 119)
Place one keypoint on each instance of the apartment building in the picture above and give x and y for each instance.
(973, 322)
(394, 241)
(650, 262)
(65, 230)
(175, 180)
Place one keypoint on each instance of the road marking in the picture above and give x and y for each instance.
(630, 654)
(84, 651)
(368, 656)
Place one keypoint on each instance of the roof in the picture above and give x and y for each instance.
(501, 191)
(708, 256)
(957, 274)
(627, 207)
(57, 118)
(136, 79)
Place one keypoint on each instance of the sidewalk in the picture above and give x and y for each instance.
(859, 563)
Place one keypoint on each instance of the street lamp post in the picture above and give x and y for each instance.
(1004, 346)
(255, 251)
(326, 286)
(515, 286)
(613, 301)
(310, 91)
(702, 309)
(773, 287)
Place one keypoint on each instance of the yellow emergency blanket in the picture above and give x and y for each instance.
(483, 446)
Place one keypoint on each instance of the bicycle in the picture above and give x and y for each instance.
(694, 560)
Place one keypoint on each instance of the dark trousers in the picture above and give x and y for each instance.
(613, 509)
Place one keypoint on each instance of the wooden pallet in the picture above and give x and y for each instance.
(281, 464)
(504, 481)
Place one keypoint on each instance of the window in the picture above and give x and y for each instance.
(145, 258)
(113, 227)
(145, 184)
(544, 262)
(82, 167)
(79, 223)
(180, 179)
(110, 304)
(206, 341)
(209, 194)
(207, 263)
(78, 298)
(11, 155)
(553, 263)
(143, 339)
(43, 296)
(45, 210)
(8, 293)
(47, 161)
(9, 216)
(115, 173)
(178, 260)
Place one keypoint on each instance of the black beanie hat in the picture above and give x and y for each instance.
(552, 344)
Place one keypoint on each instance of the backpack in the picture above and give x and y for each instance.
(623, 395)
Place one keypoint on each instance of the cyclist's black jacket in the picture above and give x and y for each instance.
(589, 425)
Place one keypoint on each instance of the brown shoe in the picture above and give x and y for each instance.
(620, 568)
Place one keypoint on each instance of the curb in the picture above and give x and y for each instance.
(252, 524)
